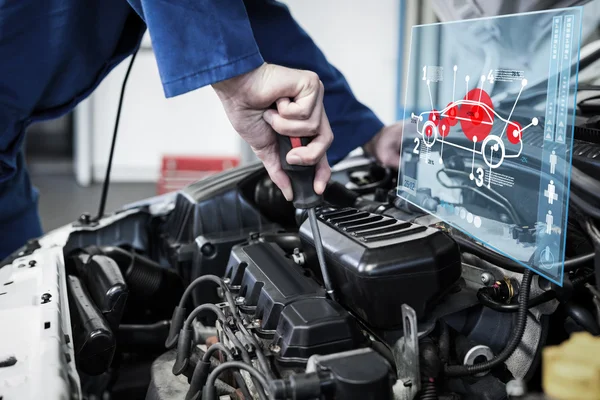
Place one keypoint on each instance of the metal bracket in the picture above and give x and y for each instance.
(406, 356)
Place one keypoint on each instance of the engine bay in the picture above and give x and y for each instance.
(215, 292)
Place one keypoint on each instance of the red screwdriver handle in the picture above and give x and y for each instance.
(302, 177)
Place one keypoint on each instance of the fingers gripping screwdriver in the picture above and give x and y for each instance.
(302, 178)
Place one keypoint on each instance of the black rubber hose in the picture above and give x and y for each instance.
(582, 317)
(151, 286)
(464, 370)
(209, 389)
(288, 241)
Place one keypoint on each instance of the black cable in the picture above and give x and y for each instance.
(199, 309)
(491, 256)
(213, 349)
(205, 278)
(464, 370)
(580, 203)
(177, 320)
(106, 182)
(594, 233)
(583, 101)
(264, 365)
(234, 311)
(245, 355)
(209, 389)
(488, 255)
(507, 206)
(185, 337)
(485, 300)
(262, 360)
(201, 371)
(595, 299)
(582, 279)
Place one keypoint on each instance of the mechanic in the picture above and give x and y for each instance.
(55, 53)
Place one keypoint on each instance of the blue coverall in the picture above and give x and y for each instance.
(53, 54)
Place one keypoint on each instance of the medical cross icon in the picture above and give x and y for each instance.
(550, 193)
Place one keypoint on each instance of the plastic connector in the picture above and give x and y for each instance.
(199, 378)
(299, 387)
(176, 324)
(184, 349)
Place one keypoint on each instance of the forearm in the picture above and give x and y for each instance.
(198, 43)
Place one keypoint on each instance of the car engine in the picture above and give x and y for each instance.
(215, 292)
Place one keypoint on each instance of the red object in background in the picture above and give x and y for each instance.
(179, 171)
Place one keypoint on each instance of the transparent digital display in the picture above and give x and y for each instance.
(488, 129)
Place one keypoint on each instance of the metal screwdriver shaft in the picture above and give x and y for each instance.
(302, 178)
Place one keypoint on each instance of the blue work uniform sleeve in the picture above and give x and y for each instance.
(198, 43)
(282, 41)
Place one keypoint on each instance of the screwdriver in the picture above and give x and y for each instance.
(302, 178)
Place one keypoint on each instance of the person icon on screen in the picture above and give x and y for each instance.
(553, 162)
(550, 193)
(549, 221)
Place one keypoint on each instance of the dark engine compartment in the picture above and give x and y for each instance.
(224, 274)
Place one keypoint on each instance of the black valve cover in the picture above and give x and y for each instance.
(377, 263)
(268, 280)
(291, 304)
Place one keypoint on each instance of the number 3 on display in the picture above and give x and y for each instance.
(479, 178)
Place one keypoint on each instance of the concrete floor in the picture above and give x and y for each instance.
(63, 201)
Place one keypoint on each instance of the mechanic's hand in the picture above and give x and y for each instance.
(299, 98)
(385, 146)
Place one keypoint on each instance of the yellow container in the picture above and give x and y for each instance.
(571, 371)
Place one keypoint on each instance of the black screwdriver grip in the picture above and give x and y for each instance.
(302, 177)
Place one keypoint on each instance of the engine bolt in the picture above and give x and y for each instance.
(298, 257)
(226, 281)
(207, 250)
(85, 219)
(487, 278)
(274, 348)
(240, 300)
